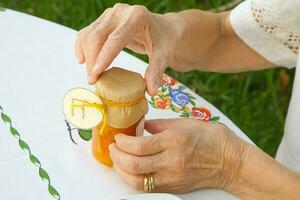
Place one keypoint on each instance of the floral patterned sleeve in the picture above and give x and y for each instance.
(270, 27)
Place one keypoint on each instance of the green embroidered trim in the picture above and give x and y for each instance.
(42, 172)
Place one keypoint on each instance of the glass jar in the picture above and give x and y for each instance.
(101, 142)
(123, 95)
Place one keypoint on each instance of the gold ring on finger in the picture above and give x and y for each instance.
(149, 182)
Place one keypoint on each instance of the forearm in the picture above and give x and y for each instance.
(208, 42)
(261, 177)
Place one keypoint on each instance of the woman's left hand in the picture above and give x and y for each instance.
(182, 154)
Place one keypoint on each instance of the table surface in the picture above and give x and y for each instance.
(40, 161)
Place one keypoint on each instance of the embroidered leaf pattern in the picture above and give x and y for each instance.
(24, 146)
(184, 115)
(193, 103)
(5, 118)
(215, 118)
(85, 134)
(14, 132)
(43, 174)
(34, 160)
(53, 192)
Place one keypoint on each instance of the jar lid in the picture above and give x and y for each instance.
(120, 85)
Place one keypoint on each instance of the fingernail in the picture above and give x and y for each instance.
(117, 135)
(90, 80)
(79, 59)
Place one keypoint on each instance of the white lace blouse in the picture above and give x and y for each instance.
(272, 28)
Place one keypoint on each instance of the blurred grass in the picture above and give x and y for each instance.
(256, 101)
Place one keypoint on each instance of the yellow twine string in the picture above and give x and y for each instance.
(102, 107)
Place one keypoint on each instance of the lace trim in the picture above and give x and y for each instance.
(272, 25)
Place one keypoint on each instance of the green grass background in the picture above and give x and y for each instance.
(256, 101)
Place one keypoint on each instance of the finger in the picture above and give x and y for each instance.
(78, 48)
(120, 6)
(115, 42)
(135, 181)
(106, 13)
(141, 146)
(153, 74)
(96, 40)
(159, 125)
(136, 47)
(134, 164)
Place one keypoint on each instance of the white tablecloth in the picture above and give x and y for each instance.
(38, 66)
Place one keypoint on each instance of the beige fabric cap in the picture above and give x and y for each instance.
(122, 86)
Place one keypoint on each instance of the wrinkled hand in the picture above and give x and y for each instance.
(127, 26)
(183, 154)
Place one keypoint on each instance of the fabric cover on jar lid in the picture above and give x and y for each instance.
(122, 86)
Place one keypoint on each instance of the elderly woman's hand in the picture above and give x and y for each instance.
(187, 40)
(183, 154)
(128, 26)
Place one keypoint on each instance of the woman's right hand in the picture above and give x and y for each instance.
(188, 40)
(133, 27)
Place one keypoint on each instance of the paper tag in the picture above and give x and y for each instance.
(140, 127)
(78, 110)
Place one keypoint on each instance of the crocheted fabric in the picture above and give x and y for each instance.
(268, 16)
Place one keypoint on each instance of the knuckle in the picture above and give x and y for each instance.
(167, 138)
(106, 14)
(156, 144)
(107, 11)
(97, 33)
(119, 34)
(180, 139)
(141, 147)
(81, 33)
(134, 165)
(94, 34)
(139, 11)
(181, 163)
(118, 6)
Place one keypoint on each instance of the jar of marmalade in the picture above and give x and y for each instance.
(123, 95)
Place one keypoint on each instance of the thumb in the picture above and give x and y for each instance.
(154, 126)
(153, 75)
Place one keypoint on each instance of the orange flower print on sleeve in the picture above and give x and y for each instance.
(162, 103)
(168, 80)
(201, 113)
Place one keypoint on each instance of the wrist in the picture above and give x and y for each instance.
(165, 32)
(262, 177)
(176, 28)
(197, 32)
(233, 152)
